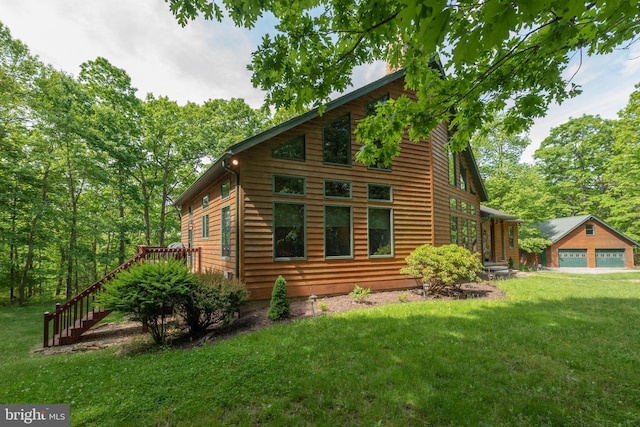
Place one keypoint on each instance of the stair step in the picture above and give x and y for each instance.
(72, 334)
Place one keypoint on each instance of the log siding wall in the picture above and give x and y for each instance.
(420, 209)
(211, 247)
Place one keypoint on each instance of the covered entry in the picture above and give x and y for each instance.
(610, 258)
(572, 257)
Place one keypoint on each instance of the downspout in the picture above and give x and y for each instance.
(237, 215)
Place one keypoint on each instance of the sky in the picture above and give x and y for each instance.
(207, 60)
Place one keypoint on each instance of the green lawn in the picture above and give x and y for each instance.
(560, 351)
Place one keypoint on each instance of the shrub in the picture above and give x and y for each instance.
(359, 294)
(148, 291)
(403, 297)
(214, 300)
(280, 307)
(324, 306)
(442, 267)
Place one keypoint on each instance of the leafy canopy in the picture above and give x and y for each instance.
(497, 55)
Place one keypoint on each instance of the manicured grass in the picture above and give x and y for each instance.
(560, 350)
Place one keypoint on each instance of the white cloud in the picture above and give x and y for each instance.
(201, 61)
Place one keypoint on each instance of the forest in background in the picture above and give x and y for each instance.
(89, 170)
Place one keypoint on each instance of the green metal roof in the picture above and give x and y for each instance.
(217, 169)
(557, 228)
(494, 213)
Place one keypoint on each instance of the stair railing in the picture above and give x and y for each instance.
(70, 314)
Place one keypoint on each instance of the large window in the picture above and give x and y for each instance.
(225, 232)
(205, 226)
(337, 189)
(465, 233)
(289, 185)
(338, 239)
(474, 236)
(380, 232)
(291, 150)
(453, 229)
(289, 240)
(336, 141)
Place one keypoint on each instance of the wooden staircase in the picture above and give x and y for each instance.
(66, 324)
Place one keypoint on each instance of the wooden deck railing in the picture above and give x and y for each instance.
(70, 320)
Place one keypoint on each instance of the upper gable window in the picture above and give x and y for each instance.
(291, 150)
(369, 110)
(590, 230)
(371, 106)
(336, 141)
(463, 176)
(205, 201)
(453, 173)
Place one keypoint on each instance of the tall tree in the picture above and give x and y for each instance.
(497, 56)
(497, 151)
(115, 130)
(623, 201)
(573, 159)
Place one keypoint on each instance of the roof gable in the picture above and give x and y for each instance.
(219, 167)
(557, 228)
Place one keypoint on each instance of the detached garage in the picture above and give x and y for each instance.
(586, 241)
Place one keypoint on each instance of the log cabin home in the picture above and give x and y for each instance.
(293, 201)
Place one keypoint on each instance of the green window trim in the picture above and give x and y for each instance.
(336, 141)
(380, 232)
(474, 236)
(225, 232)
(288, 185)
(511, 236)
(294, 149)
(338, 232)
(225, 190)
(464, 226)
(453, 203)
(463, 176)
(336, 189)
(205, 226)
(205, 202)
(453, 169)
(289, 231)
(590, 229)
(454, 230)
(379, 193)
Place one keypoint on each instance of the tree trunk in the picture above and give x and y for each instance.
(34, 223)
